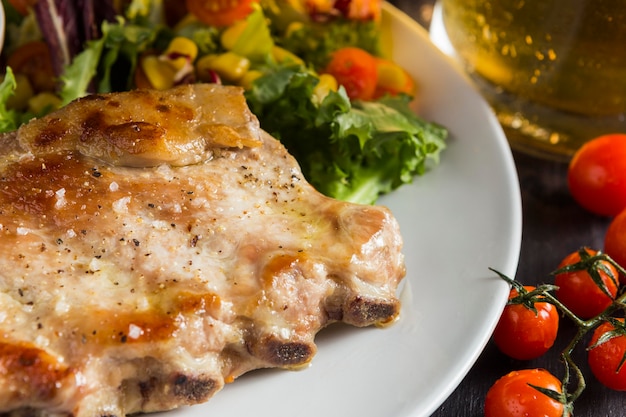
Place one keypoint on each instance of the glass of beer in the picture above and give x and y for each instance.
(554, 71)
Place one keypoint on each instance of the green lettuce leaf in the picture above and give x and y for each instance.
(9, 119)
(100, 57)
(78, 75)
(255, 42)
(350, 151)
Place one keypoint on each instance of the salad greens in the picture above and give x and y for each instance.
(9, 119)
(353, 151)
(121, 42)
(350, 150)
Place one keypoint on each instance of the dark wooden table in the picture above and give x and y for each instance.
(553, 226)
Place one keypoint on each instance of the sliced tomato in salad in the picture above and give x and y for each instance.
(220, 13)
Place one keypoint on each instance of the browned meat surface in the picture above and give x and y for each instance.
(156, 245)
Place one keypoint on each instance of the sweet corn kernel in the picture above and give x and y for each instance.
(160, 74)
(293, 27)
(229, 66)
(326, 84)
(180, 52)
(44, 102)
(393, 77)
(283, 55)
(229, 37)
(248, 79)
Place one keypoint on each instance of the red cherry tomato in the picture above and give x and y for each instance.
(615, 241)
(355, 69)
(512, 396)
(605, 358)
(578, 291)
(220, 13)
(597, 175)
(524, 334)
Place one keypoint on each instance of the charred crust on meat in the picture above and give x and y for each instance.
(364, 311)
(93, 97)
(34, 368)
(55, 130)
(193, 389)
(93, 122)
(146, 388)
(278, 352)
(186, 389)
(133, 137)
(162, 108)
(291, 353)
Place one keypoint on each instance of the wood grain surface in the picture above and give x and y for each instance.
(553, 226)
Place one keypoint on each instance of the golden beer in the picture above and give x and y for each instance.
(554, 70)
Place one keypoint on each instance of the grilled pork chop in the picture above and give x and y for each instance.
(156, 245)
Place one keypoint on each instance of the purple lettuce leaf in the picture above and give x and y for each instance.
(67, 24)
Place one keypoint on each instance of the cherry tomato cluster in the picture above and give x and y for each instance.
(586, 289)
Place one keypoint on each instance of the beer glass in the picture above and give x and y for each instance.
(554, 71)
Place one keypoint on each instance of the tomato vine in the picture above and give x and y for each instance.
(592, 262)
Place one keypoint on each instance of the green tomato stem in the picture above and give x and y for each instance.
(543, 293)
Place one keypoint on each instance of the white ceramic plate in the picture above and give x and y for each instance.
(457, 221)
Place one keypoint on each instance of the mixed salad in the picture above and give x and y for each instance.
(313, 72)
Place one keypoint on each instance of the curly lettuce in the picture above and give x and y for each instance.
(352, 151)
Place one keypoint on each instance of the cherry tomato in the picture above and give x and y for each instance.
(356, 70)
(220, 13)
(605, 358)
(523, 333)
(512, 396)
(578, 291)
(615, 241)
(597, 175)
(33, 59)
